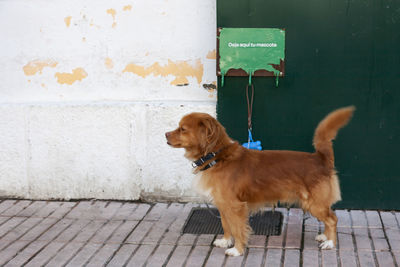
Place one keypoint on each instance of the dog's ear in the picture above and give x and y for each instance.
(211, 134)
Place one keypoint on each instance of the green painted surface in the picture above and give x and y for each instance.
(338, 53)
(251, 49)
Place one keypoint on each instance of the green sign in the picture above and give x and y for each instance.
(251, 49)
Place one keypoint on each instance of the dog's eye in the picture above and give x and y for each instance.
(183, 129)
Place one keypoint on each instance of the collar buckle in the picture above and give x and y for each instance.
(203, 159)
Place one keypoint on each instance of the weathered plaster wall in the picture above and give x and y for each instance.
(88, 89)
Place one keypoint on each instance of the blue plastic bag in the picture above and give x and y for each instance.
(251, 144)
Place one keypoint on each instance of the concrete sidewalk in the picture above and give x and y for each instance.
(97, 233)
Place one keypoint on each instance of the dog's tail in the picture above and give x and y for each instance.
(327, 130)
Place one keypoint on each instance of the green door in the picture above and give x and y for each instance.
(338, 53)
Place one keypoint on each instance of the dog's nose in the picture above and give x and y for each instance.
(167, 134)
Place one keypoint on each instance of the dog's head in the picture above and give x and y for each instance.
(199, 134)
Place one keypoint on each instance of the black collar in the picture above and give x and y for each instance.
(207, 157)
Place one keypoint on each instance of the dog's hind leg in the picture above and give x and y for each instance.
(328, 217)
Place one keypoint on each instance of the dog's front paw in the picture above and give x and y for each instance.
(328, 244)
(321, 238)
(232, 252)
(223, 243)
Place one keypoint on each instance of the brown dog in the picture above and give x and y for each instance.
(240, 180)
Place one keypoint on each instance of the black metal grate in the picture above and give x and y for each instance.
(201, 221)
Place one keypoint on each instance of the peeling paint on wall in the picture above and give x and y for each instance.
(127, 8)
(109, 63)
(212, 54)
(209, 86)
(67, 21)
(36, 66)
(48, 149)
(180, 69)
(77, 74)
(112, 12)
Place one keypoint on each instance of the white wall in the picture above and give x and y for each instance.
(88, 89)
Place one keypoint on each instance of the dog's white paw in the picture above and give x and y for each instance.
(232, 252)
(223, 243)
(321, 238)
(328, 244)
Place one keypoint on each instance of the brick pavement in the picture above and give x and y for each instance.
(111, 233)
